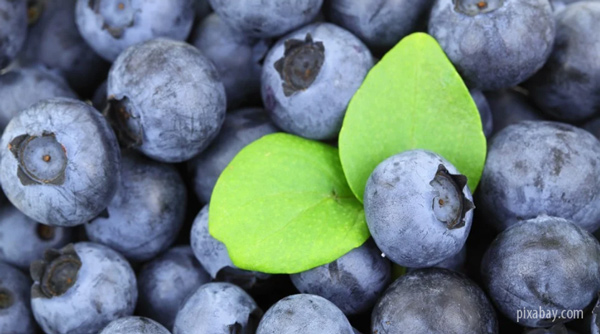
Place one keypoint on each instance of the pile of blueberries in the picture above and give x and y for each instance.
(118, 116)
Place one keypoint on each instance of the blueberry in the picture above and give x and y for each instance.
(17, 85)
(567, 87)
(266, 18)
(420, 198)
(13, 29)
(241, 127)
(380, 23)
(60, 162)
(134, 325)
(218, 308)
(53, 40)
(22, 240)
(510, 106)
(304, 314)
(309, 78)
(353, 282)
(166, 281)
(494, 43)
(433, 301)
(212, 255)
(485, 111)
(111, 26)
(146, 214)
(537, 167)
(202, 9)
(81, 288)
(556, 329)
(238, 58)
(15, 309)
(166, 99)
(545, 263)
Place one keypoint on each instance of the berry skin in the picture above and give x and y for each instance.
(60, 162)
(111, 26)
(494, 44)
(88, 283)
(420, 198)
(266, 18)
(166, 100)
(541, 167)
(309, 77)
(544, 263)
(453, 304)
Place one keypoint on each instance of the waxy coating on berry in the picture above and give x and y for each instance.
(42, 160)
(56, 273)
(117, 15)
(301, 64)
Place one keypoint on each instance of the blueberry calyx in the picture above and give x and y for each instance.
(42, 159)
(127, 126)
(450, 204)
(301, 64)
(6, 298)
(45, 232)
(116, 15)
(56, 273)
(476, 7)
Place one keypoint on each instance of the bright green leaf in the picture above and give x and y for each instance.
(413, 98)
(283, 206)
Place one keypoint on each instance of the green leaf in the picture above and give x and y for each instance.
(413, 98)
(283, 206)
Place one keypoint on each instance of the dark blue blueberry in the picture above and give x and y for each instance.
(379, 23)
(510, 106)
(20, 88)
(304, 314)
(212, 255)
(22, 240)
(147, 212)
(60, 162)
(15, 309)
(418, 208)
(485, 113)
(111, 26)
(495, 43)
(166, 99)
(165, 282)
(455, 262)
(218, 308)
(353, 282)
(13, 29)
(556, 329)
(546, 263)
(434, 300)
(541, 167)
(134, 325)
(53, 40)
(81, 288)
(266, 18)
(241, 127)
(238, 58)
(568, 85)
(309, 77)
